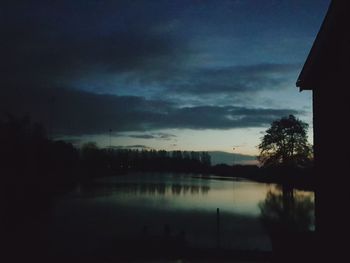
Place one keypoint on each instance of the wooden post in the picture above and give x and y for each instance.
(218, 227)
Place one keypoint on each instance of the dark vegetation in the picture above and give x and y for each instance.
(285, 156)
(106, 161)
(285, 144)
(31, 164)
(34, 170)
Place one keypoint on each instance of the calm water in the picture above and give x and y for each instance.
(127, 207)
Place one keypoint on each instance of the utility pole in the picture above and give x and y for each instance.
(233, 156)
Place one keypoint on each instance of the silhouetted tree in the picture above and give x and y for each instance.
(205, 158)
(99, 161)
(95, 161)
(285, 143)
(89, 151)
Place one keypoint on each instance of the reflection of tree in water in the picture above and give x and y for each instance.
(287, 210)
(97, 190)
(288, 217)
(176, 189)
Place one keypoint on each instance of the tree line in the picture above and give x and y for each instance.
(109, 160)
(28, 156)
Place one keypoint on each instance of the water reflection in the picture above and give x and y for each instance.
(288, 216)
(285, 209)
(154, 211)
(131, 188)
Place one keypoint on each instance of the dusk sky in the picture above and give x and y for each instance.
(173, 75)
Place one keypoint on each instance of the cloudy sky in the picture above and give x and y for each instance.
(189, 75)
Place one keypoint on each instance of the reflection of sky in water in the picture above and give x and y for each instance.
(183, 193)
(121, 206)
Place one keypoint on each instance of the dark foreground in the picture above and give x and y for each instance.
(30, 242)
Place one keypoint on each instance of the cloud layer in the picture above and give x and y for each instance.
(84, 67)
(76, 112)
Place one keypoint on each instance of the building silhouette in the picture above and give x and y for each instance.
(326, 73)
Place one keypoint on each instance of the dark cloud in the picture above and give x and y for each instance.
(73, 112)
(166, 136)
(142, 136)
(202, 84)
(159, 136)
(226, 117)
(234, 79)
(74, 141)
(137, 146)
(51, 47)
(55, 43)
(59, 41)
(114, 46)
(77, 112)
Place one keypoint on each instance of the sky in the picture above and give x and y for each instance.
(176, 75)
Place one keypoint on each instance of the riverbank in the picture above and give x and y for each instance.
(301, 178)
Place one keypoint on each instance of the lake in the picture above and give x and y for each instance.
(147, 206)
